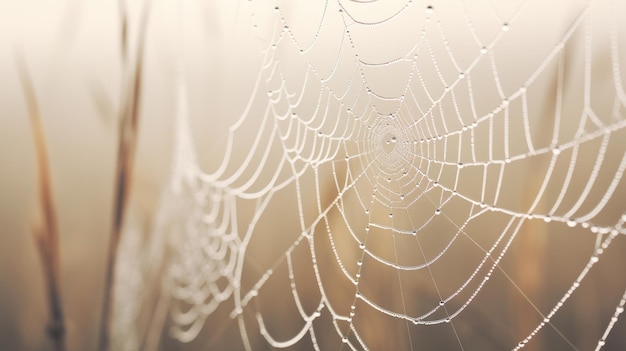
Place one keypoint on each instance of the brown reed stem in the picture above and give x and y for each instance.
(128, 128)
(46, 236)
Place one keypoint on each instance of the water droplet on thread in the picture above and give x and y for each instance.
(429, 9)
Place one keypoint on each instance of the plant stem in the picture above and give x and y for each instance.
(46, 237)
(128, 127)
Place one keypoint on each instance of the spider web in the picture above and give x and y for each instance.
(404, 175)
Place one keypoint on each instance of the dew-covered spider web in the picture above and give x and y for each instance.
(403, 175)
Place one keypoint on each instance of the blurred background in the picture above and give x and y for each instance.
(522, 50)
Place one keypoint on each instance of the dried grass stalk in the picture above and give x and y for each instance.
(128, 128)
(46, 234)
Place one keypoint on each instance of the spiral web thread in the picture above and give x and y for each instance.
(381, 182)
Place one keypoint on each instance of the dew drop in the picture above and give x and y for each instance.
(461, 75)
(505, 27)
(276, 9)
(362, 246)
(359, 263)
(441, 303)
(594, 259)
(483, 50)
(438, 211)
(390, 215)
(394, 139)
(430, 9)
